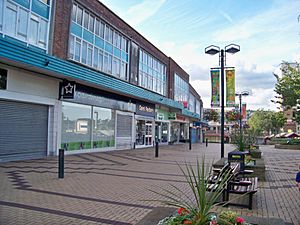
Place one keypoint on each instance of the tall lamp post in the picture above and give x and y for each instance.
(212, 50)
(243, 93)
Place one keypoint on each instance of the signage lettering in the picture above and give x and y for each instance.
(146, 109)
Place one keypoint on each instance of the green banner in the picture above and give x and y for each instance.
(215, 88)
(230, 88)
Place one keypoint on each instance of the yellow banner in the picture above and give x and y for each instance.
(230, 88)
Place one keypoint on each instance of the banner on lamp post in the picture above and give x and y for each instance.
(230, 88)
(244, 112)
(215, 88)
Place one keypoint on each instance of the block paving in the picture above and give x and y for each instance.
(113, 187)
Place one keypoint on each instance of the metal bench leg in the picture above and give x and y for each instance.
(250, 200)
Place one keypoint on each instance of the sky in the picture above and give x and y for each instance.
(268, 32)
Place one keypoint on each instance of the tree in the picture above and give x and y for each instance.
(263, 121)
(211, 115)
(232, 116)
(288, 85)
(278, 120)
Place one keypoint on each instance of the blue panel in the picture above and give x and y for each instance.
(99, 42)
(145, 68)
(24, 3)
(76, 29)
(108, 48)
(125, 56)
(117, 52)
(40, 8)
(88, 36)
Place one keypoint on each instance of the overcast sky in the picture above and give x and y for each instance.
(268, 32)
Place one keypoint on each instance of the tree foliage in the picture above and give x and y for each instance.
(288, 85)
(263, 121)
(211, 115)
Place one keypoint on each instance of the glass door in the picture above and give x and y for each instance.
(148, 135)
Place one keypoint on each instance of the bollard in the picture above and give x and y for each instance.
(61, 156)
(190, 140)
(156, 149)
(206, 142)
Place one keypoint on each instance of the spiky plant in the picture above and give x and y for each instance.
(199, 201)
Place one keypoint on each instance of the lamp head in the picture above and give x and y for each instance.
(232, 48)
(212, 50)
(245, 93)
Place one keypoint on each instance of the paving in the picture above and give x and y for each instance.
(113, 187)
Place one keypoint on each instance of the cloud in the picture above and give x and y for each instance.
(261, 23)
(226, 16)
(138, 13)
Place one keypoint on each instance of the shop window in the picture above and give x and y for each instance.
(81, 131)
(3, 79)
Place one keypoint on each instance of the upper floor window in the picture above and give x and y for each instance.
(181, 89)
(198, 109)
(26, 20)
(152, 73)
(96, 44)
(192, 103)
(3, 79)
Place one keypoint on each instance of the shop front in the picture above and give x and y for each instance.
(91, 122)
(179, 128)
(162, 126)
(144, 121)
(196, 132)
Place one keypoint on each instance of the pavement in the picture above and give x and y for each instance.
(113, 187)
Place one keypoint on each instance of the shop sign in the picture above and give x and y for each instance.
(172, 116)
(67, 89)
(179, 117)
(160, 116)
(145, 109)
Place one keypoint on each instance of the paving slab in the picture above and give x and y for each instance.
(113, 187)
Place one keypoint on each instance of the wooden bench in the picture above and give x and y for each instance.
(245, 186)
(237, 183)
(228, 172)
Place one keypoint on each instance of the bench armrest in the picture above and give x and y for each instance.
(240, 183)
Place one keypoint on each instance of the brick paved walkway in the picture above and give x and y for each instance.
(110, 187)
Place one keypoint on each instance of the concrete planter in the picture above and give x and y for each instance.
(255, 153)
(292, 147)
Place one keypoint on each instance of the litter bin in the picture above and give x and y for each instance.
(239, 157)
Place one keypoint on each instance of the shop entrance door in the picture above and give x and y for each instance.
(148, 135)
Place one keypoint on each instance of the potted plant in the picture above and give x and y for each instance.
(196, 205)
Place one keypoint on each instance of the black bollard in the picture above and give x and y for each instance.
(190, 140)
(156, 149)
(61, 163)
(206, 142)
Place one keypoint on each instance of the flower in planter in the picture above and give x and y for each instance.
(240, 220)
(182, 211)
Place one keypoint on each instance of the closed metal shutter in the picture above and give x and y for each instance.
(124, 131)
(23, 131)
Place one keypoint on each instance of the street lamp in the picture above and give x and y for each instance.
(243, 93)
(212, 50)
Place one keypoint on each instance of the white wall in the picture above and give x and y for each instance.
(22, 81)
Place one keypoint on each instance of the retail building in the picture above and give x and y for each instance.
(74, 75)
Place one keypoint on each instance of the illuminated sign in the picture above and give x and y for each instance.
(145, 109)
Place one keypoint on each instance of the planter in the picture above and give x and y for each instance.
(255, 153)
(291, 147)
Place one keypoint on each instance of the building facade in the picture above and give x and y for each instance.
(74, 75)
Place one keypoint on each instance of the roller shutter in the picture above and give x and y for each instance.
(23, 131)
(124, 131)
